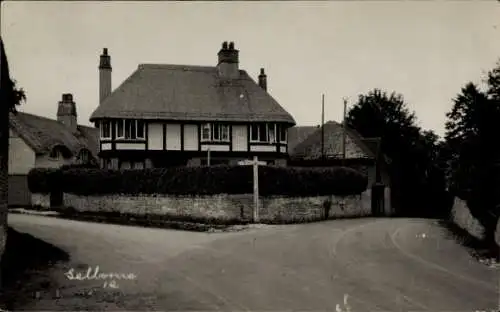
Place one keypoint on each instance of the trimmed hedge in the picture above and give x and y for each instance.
(44, 180)
(204, 180)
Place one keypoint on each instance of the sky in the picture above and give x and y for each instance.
(425, 50)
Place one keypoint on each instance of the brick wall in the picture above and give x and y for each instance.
(228, 207)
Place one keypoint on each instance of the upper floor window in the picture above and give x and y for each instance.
(84, 156)
(55, 153)
(215, 132)
(105, 129)
(130, 129)
(263, 133)
(283, 132)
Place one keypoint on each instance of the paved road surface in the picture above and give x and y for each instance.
(378, 264)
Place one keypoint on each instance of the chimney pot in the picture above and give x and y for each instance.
(231, 45)
(67, 97)
(105, 51)
(224, 45)
(263, 79)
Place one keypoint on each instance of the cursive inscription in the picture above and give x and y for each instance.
(95, 274)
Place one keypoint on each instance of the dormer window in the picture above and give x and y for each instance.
(84, 156)
(55, 154)
(129, 129)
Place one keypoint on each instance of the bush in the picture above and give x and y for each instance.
(294, 181)
(80, 166)
(223, 179)
(44, 180)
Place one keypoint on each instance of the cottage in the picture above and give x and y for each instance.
(169, 115)
(39, 142)
(308, 149)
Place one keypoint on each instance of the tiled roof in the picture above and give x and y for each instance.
(356, 146)
(42, 134)
(178, 92)
(298, 134)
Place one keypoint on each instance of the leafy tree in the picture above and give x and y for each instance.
(10, 98)
(472, 136)
(413, 152)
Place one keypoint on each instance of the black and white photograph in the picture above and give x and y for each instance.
(335, 156)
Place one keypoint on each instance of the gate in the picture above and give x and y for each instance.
(378, 204)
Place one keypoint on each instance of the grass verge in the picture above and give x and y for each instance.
(24, 267)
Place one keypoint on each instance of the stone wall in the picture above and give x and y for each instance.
(461, 216)
(223, 207)
(42, 200)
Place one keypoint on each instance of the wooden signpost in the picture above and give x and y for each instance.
(255, 163)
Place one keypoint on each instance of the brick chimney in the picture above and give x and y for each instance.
(263, 79)
(104, 75)
(227, 67)
(66, 112)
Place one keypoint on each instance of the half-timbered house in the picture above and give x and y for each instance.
(169, 115)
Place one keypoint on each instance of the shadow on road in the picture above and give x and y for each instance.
(24, 267)
(477, 248)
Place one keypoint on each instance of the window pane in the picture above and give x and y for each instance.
(263, 133)
(254, 129)
(119, 129)
(205, 135)
(127, 129)
(282, 133)
(106, 133)
(133, 133)
(272, 133)
(216, 132)
(225, 132)
(140, 129)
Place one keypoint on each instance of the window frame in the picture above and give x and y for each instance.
(122, 134)
(283, 130)
(55, 153)
(131, 128)
(217, 132)
(105, 125)
(269, 129)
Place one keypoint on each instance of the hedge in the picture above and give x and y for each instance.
(204, 180)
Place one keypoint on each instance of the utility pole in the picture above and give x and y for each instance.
(322, 127)
(344, 132)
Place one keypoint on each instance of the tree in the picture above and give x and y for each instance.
(10, 98)
(413, 152)
(472, 136)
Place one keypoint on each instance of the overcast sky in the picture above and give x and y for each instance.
(425, 50)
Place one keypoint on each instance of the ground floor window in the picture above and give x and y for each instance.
(132, 164)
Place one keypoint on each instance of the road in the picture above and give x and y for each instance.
(372, 264)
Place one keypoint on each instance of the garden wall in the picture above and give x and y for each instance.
(461, 216)
(222, 207)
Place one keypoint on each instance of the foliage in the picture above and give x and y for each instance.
(473, 165)
(11, 94)
(200, 181)
(416, 176)
(44, 180)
